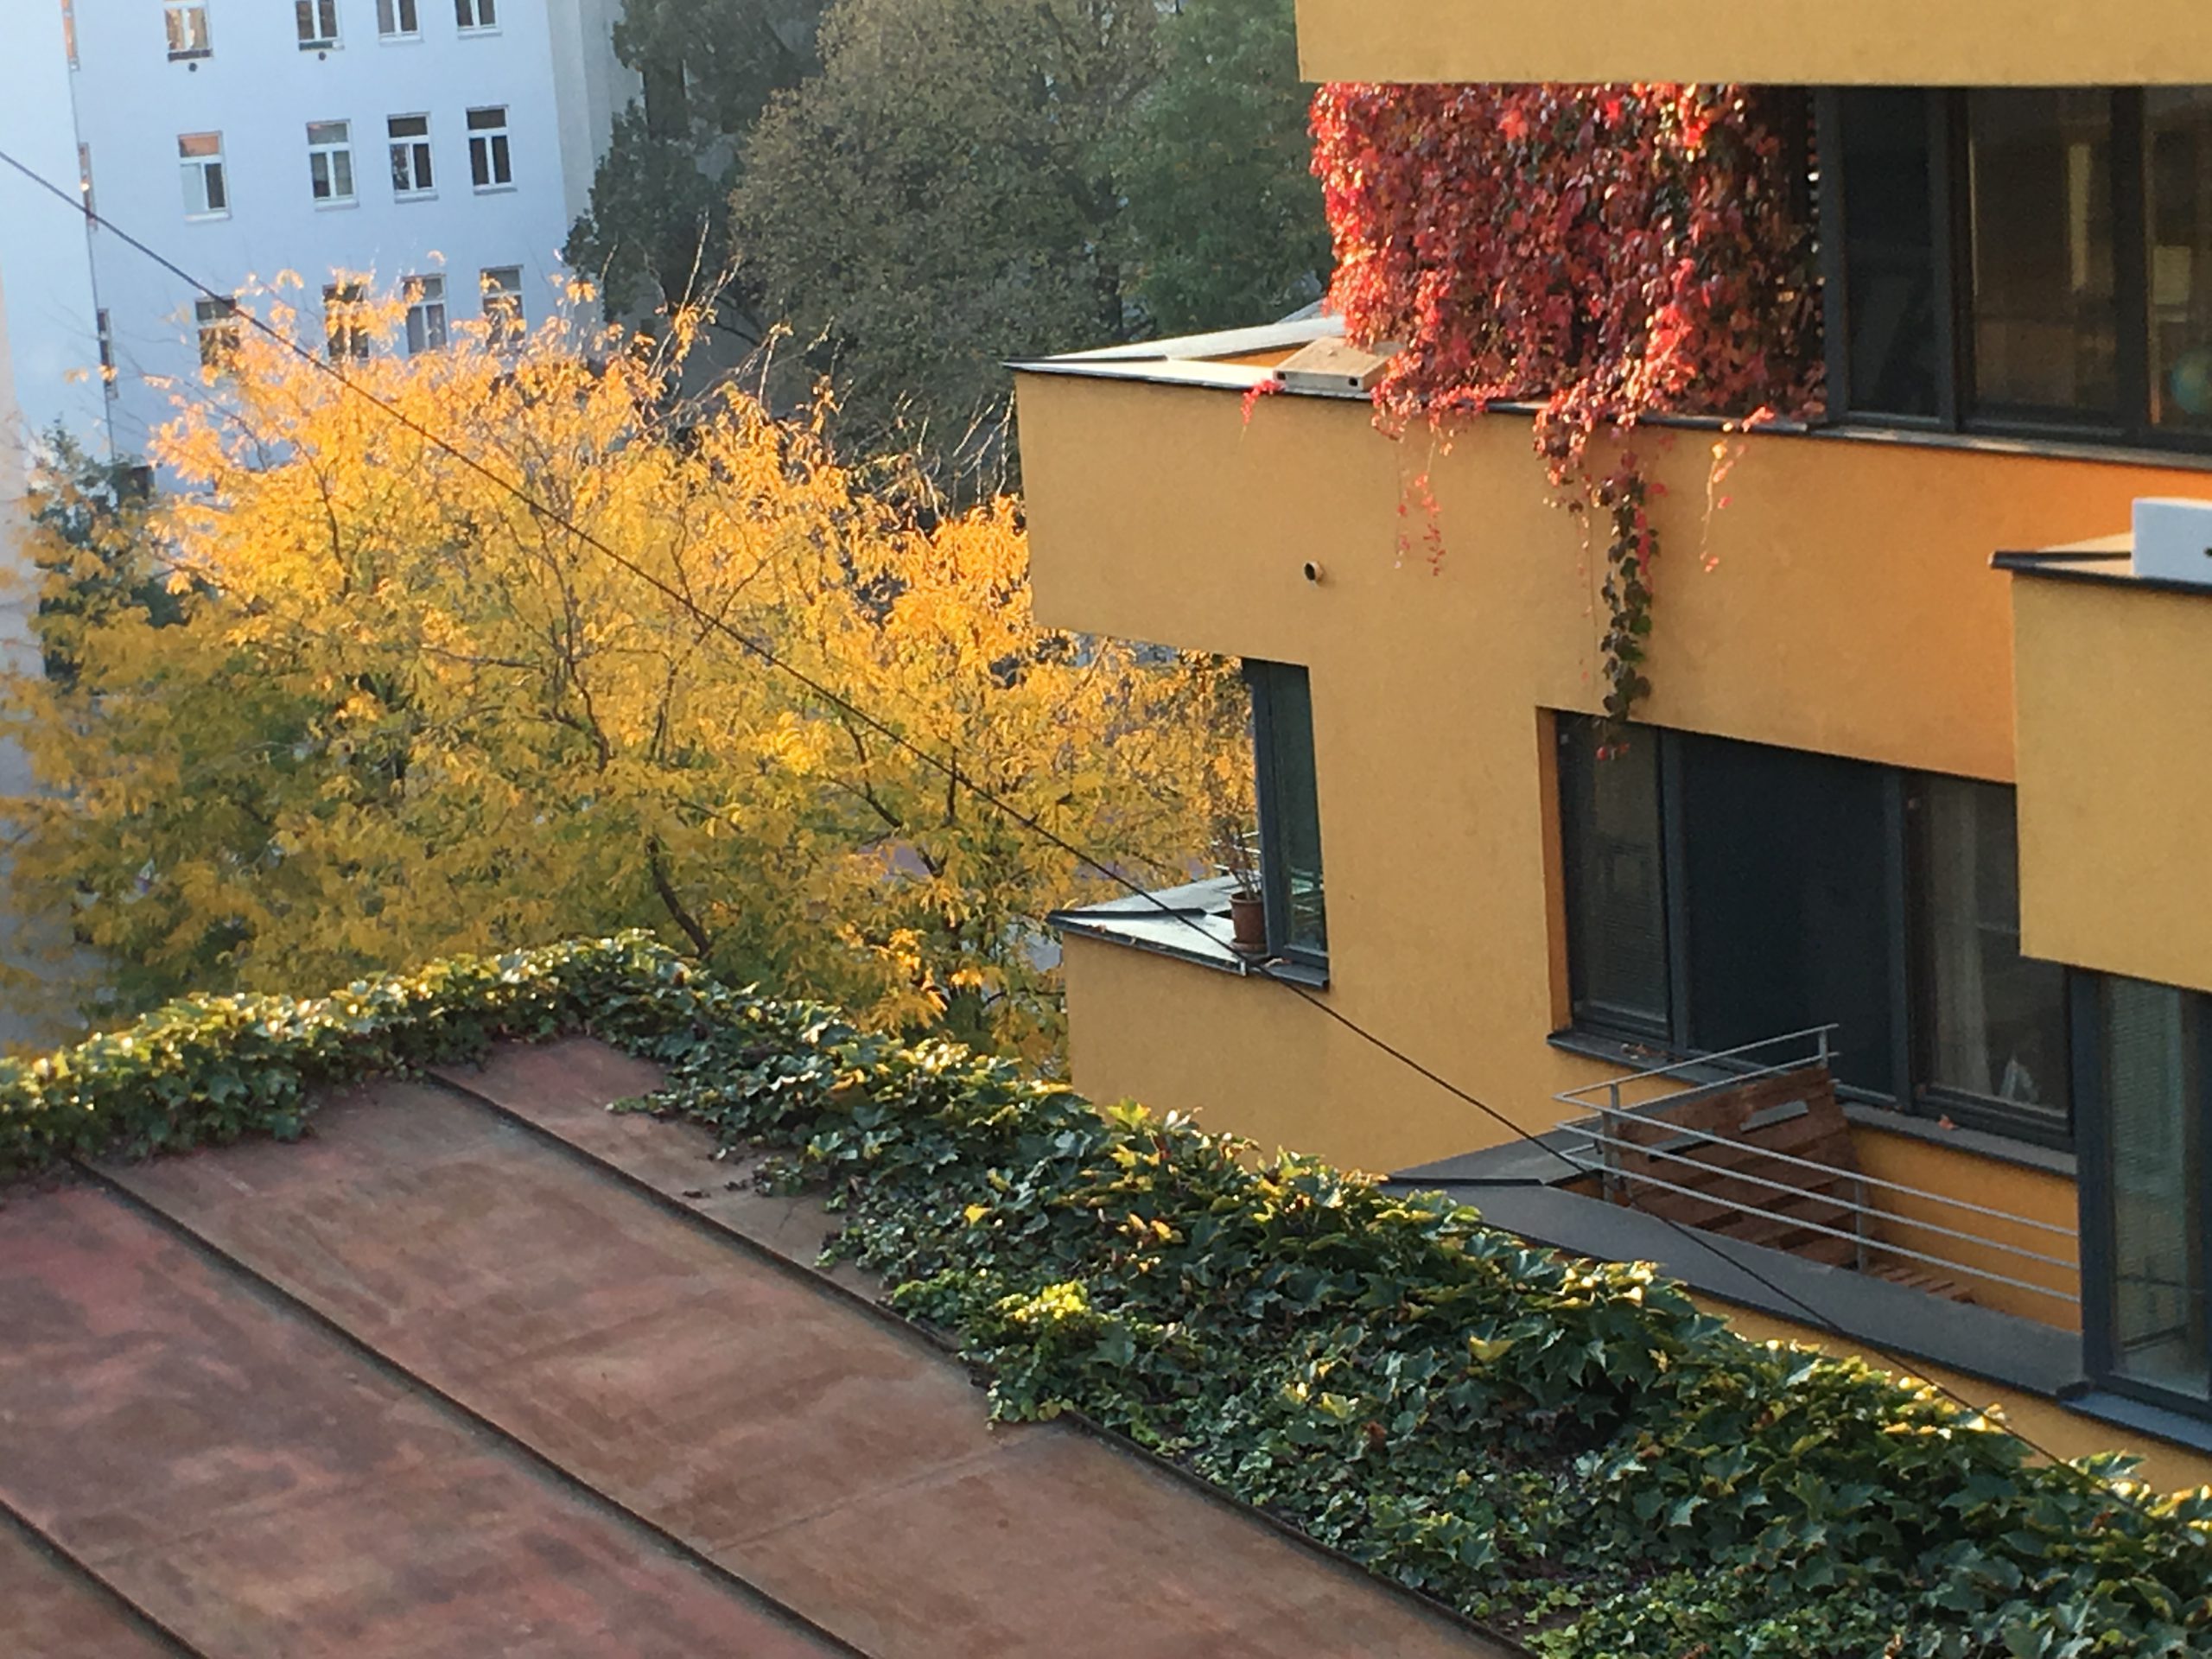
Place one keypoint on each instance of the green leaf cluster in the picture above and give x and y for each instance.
(1570, 1449)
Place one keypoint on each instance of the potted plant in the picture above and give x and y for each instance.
(1236, 854)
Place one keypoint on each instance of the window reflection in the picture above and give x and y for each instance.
(2154, 1081)
(2045, 328)
(2178, 159)
(1999, 1022)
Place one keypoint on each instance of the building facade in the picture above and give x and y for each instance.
(1865, 987)
(439, 147)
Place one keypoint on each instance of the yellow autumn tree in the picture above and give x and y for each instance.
(428, 690)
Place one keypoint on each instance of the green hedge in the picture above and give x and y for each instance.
(1569, 1451)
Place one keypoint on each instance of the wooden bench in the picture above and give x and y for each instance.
(1744, 1186)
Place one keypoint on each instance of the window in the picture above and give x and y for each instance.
(1290, 818)
(476, 14)
(69, 30)
(1615, 884)
(84, 186)
(345, 323)
(398, 19)
(2046, 322)
(411, 155)
(330, 161)
(2178, 151)
(187, 29)
(490, 166)
(2147, 1191)
(1995, 1026)
(426, 314)
(1719, 893)
(1884, 192)
(107, 350)
(218, 322)
(317, 21)
(200, 156)
(2021, 259)
(502, 286)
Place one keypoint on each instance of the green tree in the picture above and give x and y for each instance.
(944, 196)
(90, 548)
(1224, 220)
(658, 230)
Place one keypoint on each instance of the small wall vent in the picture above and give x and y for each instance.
(2173, 541)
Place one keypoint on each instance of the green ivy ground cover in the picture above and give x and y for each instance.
(1573, 1452)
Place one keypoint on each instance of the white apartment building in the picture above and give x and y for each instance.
(440, 145)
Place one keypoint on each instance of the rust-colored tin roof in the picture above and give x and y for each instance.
(481, 1370)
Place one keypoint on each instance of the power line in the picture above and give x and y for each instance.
(950, 770)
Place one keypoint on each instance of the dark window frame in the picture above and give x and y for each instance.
(2097, 1187)
(1908, 966)
(1950, 210)
(1260, 678)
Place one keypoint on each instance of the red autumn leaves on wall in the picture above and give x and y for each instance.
(1604, 252)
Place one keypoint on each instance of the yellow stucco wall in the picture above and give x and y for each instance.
(1956, 42)
(1843, 603)
(2167, 1467)
(2115, 777)
(2036, 1194)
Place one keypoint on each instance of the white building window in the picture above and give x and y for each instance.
(411, 155)
(502, 307)
(318, 24)
(398, 19)
(346, 323)
(107, 351)
(426, 314)
(490, 166)
(207, 194)
(188, 27)
(476, 14)
(69, 30)
(218, 331)
(330, 161)
(84, 186)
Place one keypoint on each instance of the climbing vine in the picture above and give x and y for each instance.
(1604, 252)
(1571, 1450)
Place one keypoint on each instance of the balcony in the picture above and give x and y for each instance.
(1765, 1156)
(1877, 42)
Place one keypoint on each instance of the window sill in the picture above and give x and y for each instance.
(478, 32)
(399, 39)
(323, 47)
(1979, 1143)
(496, 190)
(1862, 1112)
(414, 195)
(2169, 1423)
(206, 218)
(336, 203)
(1188, 924)
(191, 57)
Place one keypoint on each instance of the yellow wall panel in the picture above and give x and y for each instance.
(1898, 42)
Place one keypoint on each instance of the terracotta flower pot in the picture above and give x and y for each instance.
(1248, 923)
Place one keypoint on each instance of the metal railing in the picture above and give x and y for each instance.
(1599, 1147)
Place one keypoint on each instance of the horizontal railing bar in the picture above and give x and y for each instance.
(1673, 1066)
(1841, 1204)
(1684, 1129)
(1854, 1238)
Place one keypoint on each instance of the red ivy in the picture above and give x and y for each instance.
(1604, 252)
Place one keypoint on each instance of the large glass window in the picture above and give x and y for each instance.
(1786, 858)
(2177, 154)
(2151, 1311)
(1889, 263)
(1720, 894)
(1994, 1028)
(1615, 869)
(2046, 333)
(1290, 815)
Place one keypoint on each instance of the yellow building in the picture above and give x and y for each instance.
(1921, 822)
